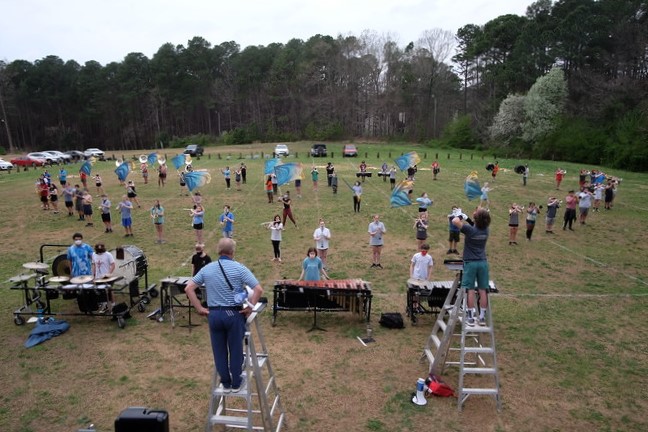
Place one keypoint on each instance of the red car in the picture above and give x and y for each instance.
(28, 161)
(350, 150)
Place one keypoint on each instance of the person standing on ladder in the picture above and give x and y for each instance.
(225, 282)
(475, 267)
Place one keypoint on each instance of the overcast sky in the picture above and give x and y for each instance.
(107, 30)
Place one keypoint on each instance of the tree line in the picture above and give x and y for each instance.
(443, 88)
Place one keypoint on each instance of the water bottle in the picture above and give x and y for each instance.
(240, 297)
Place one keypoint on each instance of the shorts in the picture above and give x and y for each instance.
(583, 211)
(127, 222)
(454, 236)
(43, 199)
(550, 220)
(105, 217)
(98, 184)
(53, 198)
(421, 236)
(63, 182)
(182, 184)
(162, 175)
(475, 271)
(297, 183)
(87, 209)
(198, 226)
(131, 195)
(514, 225)
(422, 210)
(69, 204)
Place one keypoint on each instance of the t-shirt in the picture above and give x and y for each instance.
(314, 175)
(105, 206)
(102, 263)
(585, 200)
(421, 231)
(321, 237)
(198, 262)
(379, 229)
(552, 209)
(198, 218)
(80, 258)
(125, 207)
(218, 291)
(475, 243)
(312, 268)
(158, 214)
(423, 202)
(421, 265)
(229, 225)
(275, 231)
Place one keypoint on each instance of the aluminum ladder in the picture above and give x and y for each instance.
(257, 406)
(478, 361)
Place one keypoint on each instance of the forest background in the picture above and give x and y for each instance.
(471, 89)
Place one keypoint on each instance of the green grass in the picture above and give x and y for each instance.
(571, 342)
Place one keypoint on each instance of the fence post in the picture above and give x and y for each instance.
(471, 156)
(219, 156)
(425, 155)
(460, 156)
(448, 156)
(378, 155)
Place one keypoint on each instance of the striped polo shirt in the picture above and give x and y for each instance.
(218, 291)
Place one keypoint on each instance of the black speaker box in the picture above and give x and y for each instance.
(138, 419)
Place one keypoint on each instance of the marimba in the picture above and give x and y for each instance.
(363, 174)
(352, 295)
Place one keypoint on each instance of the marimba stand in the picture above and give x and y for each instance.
(257, 406)
(477, 354)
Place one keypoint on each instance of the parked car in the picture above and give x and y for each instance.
(349, 150)
(64, 157)
(95, 152)
(318, 150)
(28, 161)
(5, 166)
(194, 150)
(49, 158)
(281, 150)
(76, 155)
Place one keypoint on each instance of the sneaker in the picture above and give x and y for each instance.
(379, 265)
(279, 259)
(482, 321)
(372, 265)
(470, 321)
(455, 251)
(240, 387)
(449, 252)
(224, 389)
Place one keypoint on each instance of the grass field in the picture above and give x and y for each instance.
(570, 318)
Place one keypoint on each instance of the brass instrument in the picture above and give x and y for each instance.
(143, 158)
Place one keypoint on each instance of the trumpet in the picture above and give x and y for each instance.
(143, 158)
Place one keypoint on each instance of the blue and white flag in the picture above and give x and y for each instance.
(270, 166)
(401, 194)
(196, 179)
(86, 167)
(472, 189)
(407, 160)
(122, 171)
(178, 161)
(288, 172)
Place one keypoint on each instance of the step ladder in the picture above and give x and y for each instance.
(475, 346)
(257, 406)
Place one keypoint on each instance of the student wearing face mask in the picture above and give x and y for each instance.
(421, 264)
(322, 235)
(103, 265)
(80, 257)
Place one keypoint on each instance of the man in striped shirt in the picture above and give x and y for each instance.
(225, 281)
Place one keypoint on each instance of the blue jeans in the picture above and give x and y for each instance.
(226, 329)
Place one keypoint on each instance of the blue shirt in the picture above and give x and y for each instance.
(125, 207)
(423, 202)
(80, 258)
(218, 291)
(63, 175)
(198, 218)
(312, 268)
(228, 224)
(475, 243)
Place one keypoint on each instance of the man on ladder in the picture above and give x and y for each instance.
(475, 263)
(225, 282)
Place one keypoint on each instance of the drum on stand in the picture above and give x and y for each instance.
(130, 262)
(61, 266)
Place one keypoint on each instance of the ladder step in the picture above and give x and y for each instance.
(478, 329)
(229, 420)
(430, 356)
(480, 391)
(479, 350)
(477, 370)
(442, 325)
(436, 341)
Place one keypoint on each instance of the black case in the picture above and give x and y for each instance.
(138, 419)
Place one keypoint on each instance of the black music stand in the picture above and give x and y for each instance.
(315, 326)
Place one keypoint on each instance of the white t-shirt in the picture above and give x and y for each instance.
(102, 263)
(275, 231)
(422, 263)
(584, 200)
(321, 237)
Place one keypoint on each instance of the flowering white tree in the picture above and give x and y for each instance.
(508, 121)
(544, 104)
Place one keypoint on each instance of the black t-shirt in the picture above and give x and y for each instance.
(198, 261)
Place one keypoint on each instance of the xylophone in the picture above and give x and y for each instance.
(363, 174)
(352, 295)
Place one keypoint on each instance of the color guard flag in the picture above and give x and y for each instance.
(472, 189)
(196, 179)
(400, 195)
(407, 160)
(178, 161)
(270, 166)
(86, 167)
(288, 172)
(122, 171)
(152, 158)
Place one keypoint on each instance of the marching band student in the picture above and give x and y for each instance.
(199, 260)
(453, 231)
(532, 215)
(514, 222)
(275, 228)
(197, 221)
(157, 214)
(125, 207)
(584, 204)
(552, 209)
(423, 202)
(357, 196)
(312, 266)
(421, 226)
(104, 207)
(571, 201)
(376, 230)
(485, 202)
(560, 174)
(322, 235)
(420, 268)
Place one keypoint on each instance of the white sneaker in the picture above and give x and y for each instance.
(241, 386)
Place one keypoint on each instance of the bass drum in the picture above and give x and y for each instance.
(61, 266)
(130, 262)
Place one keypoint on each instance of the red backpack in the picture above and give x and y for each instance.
(437, 387)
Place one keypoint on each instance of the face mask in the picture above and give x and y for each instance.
(78, 242)
(424, 252)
